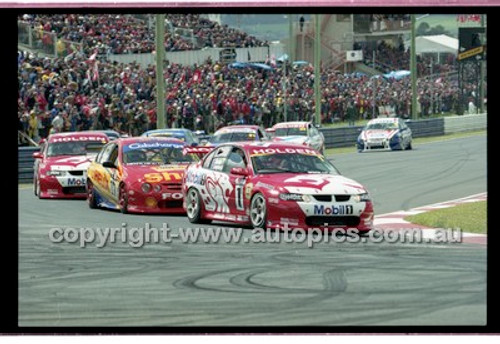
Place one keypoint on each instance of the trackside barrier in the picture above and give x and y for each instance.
(458, 124)
(334, 137)
(25, 163)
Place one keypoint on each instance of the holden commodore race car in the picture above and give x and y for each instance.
(385, 134)
(274, 185)
(237, 133)
(61, 164)
(140, 175)
(185, 135)
(302, 133)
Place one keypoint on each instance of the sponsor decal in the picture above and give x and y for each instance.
(75, 181)
(52, 191)
(292, 222)
(78, 139)
(169, 195)
(216, 192)
(148, 145)
(266, 151)
(272, 200)
(194, 178)
(333, 210)
(160, 177)
(242, 218)
(292, 125)
(264, 185)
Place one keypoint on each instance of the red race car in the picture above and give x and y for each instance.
(273, 184)
(140, 175)
(61, 164)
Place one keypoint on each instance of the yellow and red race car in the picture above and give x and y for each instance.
(140, 175)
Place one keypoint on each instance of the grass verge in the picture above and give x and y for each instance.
(469, 217)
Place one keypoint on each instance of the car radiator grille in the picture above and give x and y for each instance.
(328, 198)
(70, 190)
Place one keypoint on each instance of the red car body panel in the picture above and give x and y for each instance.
(72, 168)
(227, 197)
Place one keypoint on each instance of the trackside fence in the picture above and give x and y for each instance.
(25, 163)
(334, 137)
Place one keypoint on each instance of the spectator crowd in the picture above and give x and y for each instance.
(85, 91)
(122, 34)
(81, 93)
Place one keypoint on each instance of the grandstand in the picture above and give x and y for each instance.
(91, 85)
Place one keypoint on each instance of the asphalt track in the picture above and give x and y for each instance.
(264, 284)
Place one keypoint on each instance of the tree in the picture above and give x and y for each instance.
(423, 29)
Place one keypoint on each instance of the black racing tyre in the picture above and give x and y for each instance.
(91, 195)
(123, 199)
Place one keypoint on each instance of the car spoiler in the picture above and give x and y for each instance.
(200, 151)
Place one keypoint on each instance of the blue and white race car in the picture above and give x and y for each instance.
(385, 134)
(182, 134)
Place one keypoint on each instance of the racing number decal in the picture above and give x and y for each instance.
(239, 197)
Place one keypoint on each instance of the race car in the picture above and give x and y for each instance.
(185, 135)
(140, 175)
(302, 133)
(61, 164)
(237, 133)
(274, 185)
(385, 134)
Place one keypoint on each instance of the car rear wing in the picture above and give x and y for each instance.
(200, 151)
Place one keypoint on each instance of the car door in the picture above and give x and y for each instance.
(114, 176)
(216, 186)
(236, 159)
(101, 176)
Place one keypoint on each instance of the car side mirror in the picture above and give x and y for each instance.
(239, 171)
(108, 164)
(37, 155)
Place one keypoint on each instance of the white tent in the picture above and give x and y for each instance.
(436, 44)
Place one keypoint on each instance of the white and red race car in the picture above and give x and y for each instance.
(302, 133)
(273, 185)
(60, 169)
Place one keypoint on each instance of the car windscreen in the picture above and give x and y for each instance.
(175, 135)
(292, 163)
(233, 136)
(156, 153)
(297, 131)
(382, 126)
(74, 148)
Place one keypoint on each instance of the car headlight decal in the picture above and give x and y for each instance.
(146, 187)
(364, 197)
(295, 197)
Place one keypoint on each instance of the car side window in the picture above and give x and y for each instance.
(235, 159)
(106, 152)
(113, 156)
(208, 159)
(219, 158)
